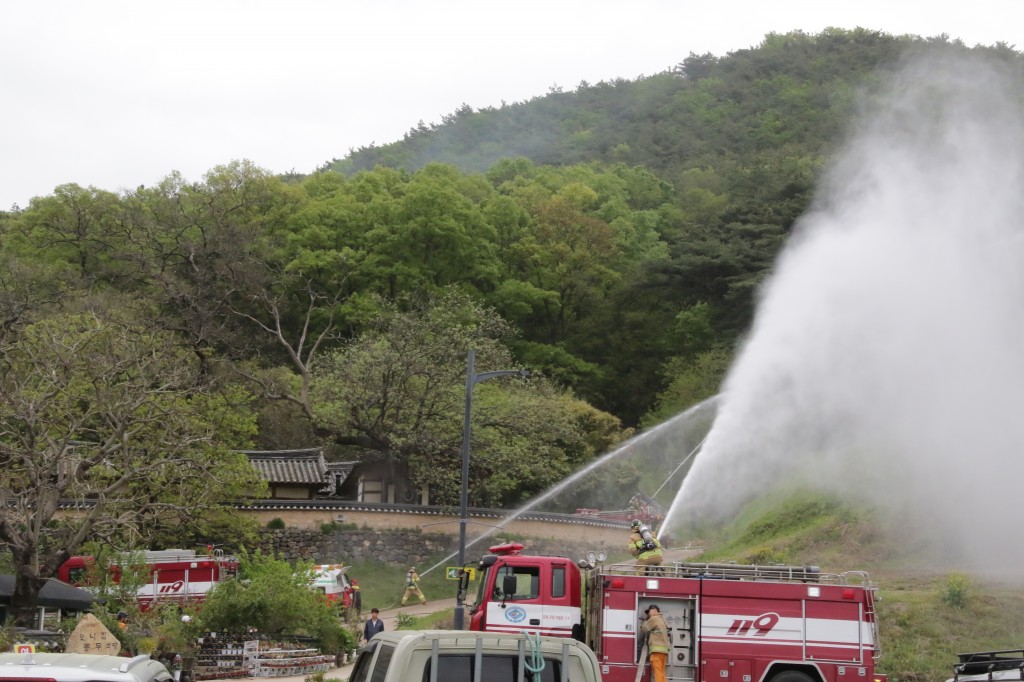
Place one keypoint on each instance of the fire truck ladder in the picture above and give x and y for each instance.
(728, 571)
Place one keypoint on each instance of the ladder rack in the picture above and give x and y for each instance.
(1005, 664)
(167, 556)
(727, 571)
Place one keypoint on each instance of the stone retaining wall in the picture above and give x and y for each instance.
(597, 536)
(389, 546)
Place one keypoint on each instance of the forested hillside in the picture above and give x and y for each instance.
(610, 239)
(739, 142)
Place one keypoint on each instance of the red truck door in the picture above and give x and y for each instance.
(541, 596)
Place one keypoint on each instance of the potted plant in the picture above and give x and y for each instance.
(176, 631)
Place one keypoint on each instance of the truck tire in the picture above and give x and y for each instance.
(793, 676)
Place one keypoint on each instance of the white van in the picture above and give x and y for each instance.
(43, 667)
(464, 656)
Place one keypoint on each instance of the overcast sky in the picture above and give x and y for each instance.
(117, 94)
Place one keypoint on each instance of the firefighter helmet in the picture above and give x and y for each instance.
(635, 524)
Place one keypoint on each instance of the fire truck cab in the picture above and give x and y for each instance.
(727, 622)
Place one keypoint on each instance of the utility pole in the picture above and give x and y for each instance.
(472, 379)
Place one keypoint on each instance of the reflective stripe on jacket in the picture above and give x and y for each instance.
(636, 544)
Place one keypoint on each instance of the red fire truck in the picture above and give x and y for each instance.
(727, 622)
(174, 574)
(333, 582)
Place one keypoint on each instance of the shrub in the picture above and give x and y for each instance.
(403, 621)
(954, 591)
(763, 555)
(334, 527)
(276, 523)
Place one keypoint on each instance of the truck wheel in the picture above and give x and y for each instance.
(793, 676)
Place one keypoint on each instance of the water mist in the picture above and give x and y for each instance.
(886, 359)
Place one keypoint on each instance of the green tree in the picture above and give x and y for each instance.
(396, 394)
(434, 236)
(98, 410)
(270, 595)
(75, 226)
(202, 249)
(690, 380)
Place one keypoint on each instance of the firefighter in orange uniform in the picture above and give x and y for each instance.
(657, 642)
(645, 547)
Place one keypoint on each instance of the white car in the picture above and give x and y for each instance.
(81, 668)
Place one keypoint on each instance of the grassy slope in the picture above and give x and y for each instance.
(382, 585)
(923, 624)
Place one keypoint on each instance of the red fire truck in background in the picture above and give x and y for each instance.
(174, 574)
(727, 622)
(333, 582)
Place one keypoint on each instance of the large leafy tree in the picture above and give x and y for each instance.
(108, 431)
(74, 226)
(270, 595)
(201, 249)
(396, 394)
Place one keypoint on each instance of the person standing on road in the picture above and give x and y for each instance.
(355, 608)
(373, 625)
(412, 587)
(657, 642)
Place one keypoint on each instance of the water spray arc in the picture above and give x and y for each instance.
(620, 451)
(676, 499)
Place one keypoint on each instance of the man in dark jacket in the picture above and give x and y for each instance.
(373, 626)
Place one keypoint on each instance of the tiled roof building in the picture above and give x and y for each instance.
(301, 474)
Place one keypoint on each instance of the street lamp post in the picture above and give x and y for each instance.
(472, 378)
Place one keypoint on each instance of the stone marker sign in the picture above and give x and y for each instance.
(90, 636)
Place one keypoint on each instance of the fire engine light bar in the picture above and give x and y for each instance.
(848, 593)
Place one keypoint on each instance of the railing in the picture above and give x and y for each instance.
(1005, 664)
(726, 571)
(168, 556)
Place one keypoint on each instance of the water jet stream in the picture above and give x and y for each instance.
(887, 342)
(630, 445)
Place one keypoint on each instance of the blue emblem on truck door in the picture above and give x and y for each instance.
(515, 614)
